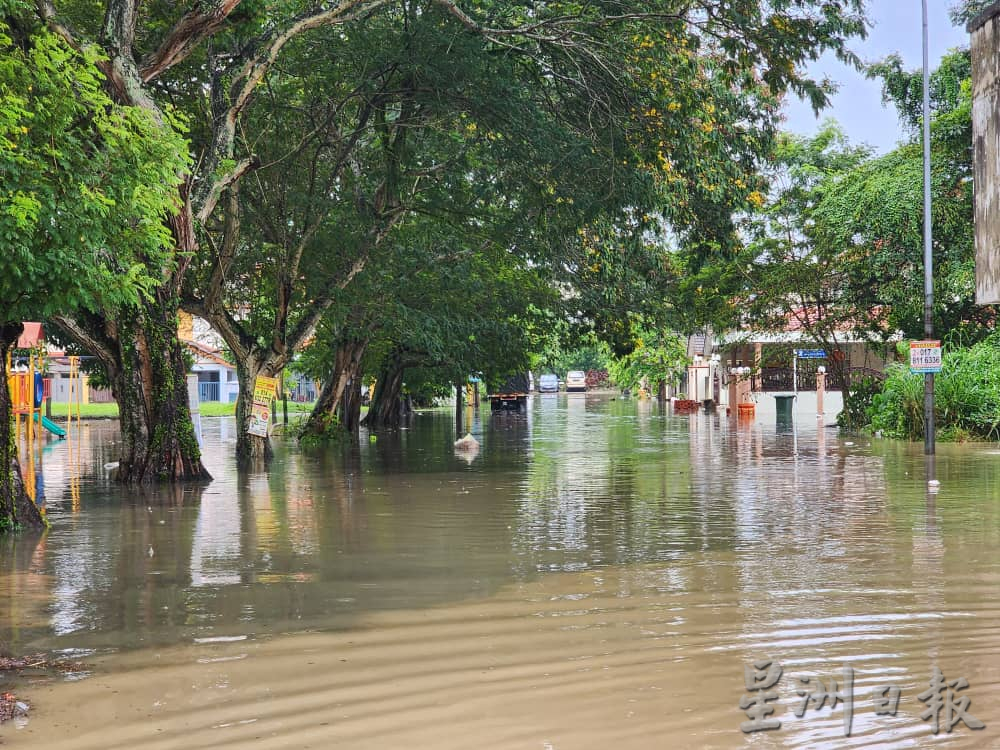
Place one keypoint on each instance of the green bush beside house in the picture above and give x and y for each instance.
(966, 404)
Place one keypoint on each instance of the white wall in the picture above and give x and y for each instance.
(804, 407)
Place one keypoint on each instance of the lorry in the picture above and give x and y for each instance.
(512, 394)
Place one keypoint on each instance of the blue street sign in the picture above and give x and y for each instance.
(810, 354)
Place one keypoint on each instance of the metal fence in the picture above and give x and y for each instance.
(772, 379)
(100, 396)
(208, 391)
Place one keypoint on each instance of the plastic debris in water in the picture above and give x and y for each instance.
(468, 443)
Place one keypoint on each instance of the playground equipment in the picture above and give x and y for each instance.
(49, 425)
(29, 390)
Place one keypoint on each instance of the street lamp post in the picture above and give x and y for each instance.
(928, 258)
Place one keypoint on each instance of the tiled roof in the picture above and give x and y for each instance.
(203, 352)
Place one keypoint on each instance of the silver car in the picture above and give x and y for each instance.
(548, 383)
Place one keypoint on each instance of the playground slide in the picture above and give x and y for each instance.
(51, 426)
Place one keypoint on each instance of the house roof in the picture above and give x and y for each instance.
(798, 321)
(204, 353)
(801, 318)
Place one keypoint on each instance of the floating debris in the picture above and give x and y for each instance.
(39, 661)
(468, 443)
(11, 707)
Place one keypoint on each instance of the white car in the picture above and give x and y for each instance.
(576, 380)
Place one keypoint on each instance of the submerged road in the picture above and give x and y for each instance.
(600, 575)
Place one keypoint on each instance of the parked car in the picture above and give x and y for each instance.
(576, 380)
(548, 384)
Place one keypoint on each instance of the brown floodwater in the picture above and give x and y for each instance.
(599, 575)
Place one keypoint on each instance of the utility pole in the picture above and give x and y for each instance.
(928, 258)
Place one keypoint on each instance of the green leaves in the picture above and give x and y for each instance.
(841, 235)
(967, 396)
(84, 183)
(656, 356)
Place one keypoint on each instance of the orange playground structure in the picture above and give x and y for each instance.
(29, 390)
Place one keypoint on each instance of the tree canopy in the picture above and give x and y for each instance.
(315, 133)
(85, 182)
(84, 186)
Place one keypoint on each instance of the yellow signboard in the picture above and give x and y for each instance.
(264, 389)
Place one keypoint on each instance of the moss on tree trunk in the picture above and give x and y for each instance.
(159, 442)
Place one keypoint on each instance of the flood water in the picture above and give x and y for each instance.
(597, 576)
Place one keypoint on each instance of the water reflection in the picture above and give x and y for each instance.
(401, 520)
(588, 532)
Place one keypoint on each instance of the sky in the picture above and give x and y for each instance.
(857, 106)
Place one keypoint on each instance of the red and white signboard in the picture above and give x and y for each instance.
(925, 356)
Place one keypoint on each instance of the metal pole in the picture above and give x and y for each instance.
(284, 396)
(928, 259)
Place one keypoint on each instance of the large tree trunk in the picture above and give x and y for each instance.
(386, 407)
(17, 511)
(350, 406)
(150, 384)
(346, 367)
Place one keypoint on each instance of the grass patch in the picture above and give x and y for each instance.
(220, 409)
(217, 409)
(207, 409)
(87, 411)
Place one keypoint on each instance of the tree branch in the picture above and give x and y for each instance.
(225, 254)
(232, 331)
(103, 350)
(223, 183)
(194, 27)
(233, 87)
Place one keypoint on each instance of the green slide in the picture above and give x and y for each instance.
(51, 426)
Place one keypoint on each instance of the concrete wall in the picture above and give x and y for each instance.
(803, 408)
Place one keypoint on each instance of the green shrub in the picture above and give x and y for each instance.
(898, 411)
(856, 414)
(966, 403)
